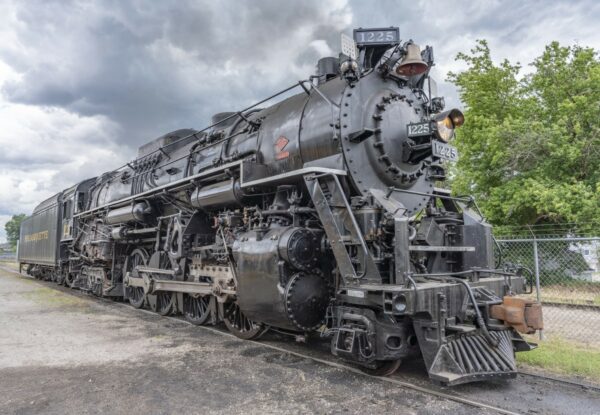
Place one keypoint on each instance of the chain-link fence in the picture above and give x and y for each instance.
(566, 272)
(8, 256)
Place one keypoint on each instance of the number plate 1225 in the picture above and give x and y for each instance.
(444, 151)
(419, 129)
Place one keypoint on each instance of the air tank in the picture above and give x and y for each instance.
(218, 195)
(137, 212)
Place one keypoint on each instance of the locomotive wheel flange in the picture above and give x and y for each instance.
(382, 367)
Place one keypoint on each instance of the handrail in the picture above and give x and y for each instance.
(235, 114)
(413, 192)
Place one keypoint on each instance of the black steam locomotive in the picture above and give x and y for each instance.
(319, 214)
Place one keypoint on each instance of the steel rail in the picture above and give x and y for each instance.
(587, 386)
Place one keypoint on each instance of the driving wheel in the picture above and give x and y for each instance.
(135, 295)
(240, 325)
(163, 302)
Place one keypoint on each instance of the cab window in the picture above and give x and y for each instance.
(67, 209)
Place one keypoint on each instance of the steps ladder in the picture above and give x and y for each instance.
(341, 228)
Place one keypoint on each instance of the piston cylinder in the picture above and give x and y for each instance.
(218, 195)
(118, 233)
(137, 212)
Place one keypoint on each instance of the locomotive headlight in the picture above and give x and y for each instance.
(446, 122)
(445, 129)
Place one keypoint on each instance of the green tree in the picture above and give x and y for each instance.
(530, 146)
(12, 228)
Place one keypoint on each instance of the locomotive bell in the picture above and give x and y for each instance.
(412, 63)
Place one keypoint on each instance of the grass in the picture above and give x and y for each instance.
(9, 263)
(54, 298)
(564, 357)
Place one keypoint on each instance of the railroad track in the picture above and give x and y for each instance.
(432, 392)
(438, 392)
(583, 385)
(450, 395)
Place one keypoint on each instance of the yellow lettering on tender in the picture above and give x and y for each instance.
(38, 236)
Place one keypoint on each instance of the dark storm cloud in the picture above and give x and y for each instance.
(156, 66)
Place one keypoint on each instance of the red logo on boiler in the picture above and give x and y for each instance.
(280, 144)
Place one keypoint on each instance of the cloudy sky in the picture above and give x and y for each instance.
(84, 83)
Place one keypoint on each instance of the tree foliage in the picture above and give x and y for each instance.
(530, 145)
(12, 228)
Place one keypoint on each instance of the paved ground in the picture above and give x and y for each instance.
(62, 352)
(68, 354)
